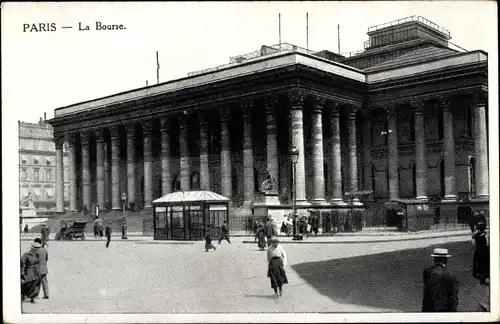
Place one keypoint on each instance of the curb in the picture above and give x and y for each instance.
(365, 241)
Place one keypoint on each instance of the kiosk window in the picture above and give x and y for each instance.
(177, 217)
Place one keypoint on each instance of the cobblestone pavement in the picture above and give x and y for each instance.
(141, 277)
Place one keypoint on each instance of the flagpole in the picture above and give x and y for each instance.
(279, 28)
(307, 31)
(157, 69)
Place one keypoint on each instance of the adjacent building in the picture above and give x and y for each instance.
(406, 118)
(37, 166)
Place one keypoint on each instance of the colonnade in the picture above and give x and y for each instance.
(320, 108)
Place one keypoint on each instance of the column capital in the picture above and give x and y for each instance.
(70, 139)
(418, 105)
(114, 132)
(270, 105)
(392, 110)
(445, 103)
(99, 134)
(224, 114)
(59, 141)
(318, 103)
(84, 138)
(335, 110)
(147, 127)
(202, 117)
(247, 106)
(165, 123)
(130, 128)
(296, 99)
(480, 98)
(351, 111)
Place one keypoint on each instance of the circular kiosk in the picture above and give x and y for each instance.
(184, 215)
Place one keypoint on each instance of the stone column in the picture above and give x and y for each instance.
(70, 139)
(481, 146)
(115, 168)
(336, 155)
(225, 154)
(317, 151)
(131, 163)
(272, 140)
(84, 137)
(367, 153)
(166, 179)
(59, 141)
(106, 175)
(297, 127)
(100, 167)
(420, 151)
(352, 150)
(450, 192)
(147, 128)
(204, 168)
(392, 151)
(184, 154)
(248, 174)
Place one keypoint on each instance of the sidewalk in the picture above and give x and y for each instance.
(358, 237)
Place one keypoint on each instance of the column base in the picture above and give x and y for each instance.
(338, 202)
(482, 198)
(319, 201)
(302, 203)
(449, 198)
(423, 198)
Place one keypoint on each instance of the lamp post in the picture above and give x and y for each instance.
(294, 157)
(124, 221)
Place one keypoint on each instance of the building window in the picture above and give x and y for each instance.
(36, 160)
(23, 174)
(24, 159)
(37, 193)
(48, 175)
(48, 162)
(36, 174)
(49, 193)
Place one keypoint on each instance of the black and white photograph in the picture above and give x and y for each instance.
(329, 161)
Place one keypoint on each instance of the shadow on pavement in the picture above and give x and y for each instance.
(390, 280)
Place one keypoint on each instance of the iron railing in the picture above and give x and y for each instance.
(408, 19)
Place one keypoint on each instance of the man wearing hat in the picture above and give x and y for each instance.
(45, 231)
(43, 257)
(108, 234)
(440, 286)
(30, 273)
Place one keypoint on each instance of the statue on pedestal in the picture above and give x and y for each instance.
(27, 202)
(269, 185)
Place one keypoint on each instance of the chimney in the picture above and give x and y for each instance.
(44, 116)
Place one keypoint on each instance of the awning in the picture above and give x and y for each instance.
(191, 196)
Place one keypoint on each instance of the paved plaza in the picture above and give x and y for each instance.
(151, 277)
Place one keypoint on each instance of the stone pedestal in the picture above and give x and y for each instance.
(270, 207)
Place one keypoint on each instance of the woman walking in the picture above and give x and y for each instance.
(481, 257)
(208, 239)
(277, 262)
(260, 237)
(30, 273)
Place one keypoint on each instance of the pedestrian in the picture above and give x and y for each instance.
(43, 258)
(96, 227)
(108, 234)
(100, 225)
(208, 239)
(440, 286)
(30, 273)
(269, 231)
(260, 237)
(44, 232)
(85, 209)
(224, 233)
(26, 229)
(481, 257)
(277, 261)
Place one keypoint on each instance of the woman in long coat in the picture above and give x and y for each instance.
(260, 237)
(30, 273)
(277, 262)
(481, 257)
(208, 239)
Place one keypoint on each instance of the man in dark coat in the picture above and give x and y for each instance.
(269, 231)
(224, 233)
(108, 234)
(440, 286)
(43, 258)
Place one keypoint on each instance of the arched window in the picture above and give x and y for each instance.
(256, 179)
(195, 181)
(472, 176)
(176, 184)
(468, 116)
(441, 176)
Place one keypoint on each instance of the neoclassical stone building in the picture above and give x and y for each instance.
(406, 118)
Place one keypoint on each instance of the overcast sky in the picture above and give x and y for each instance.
(42, 71)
